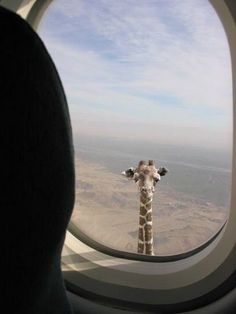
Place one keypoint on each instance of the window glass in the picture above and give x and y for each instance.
(146, 80)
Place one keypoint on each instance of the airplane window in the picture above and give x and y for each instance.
(146, 80)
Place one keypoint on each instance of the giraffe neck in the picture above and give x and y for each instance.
(145, 240)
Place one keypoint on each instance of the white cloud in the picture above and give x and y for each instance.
(171, 47)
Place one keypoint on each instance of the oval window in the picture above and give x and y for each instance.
(146, 80)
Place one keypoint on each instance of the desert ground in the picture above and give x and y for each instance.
(107, 210)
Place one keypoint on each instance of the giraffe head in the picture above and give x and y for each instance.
(146, 176)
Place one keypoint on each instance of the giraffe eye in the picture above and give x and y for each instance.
(157, 178)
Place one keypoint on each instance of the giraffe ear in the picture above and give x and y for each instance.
(162, 171)
(129, 173)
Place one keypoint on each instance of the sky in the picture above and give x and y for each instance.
(156, 70)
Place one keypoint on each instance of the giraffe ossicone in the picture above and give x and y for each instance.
(146, 176)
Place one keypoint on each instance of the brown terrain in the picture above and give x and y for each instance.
(107, 209)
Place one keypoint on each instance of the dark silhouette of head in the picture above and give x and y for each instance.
(37, 170)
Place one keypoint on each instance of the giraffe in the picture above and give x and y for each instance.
(146, 176)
